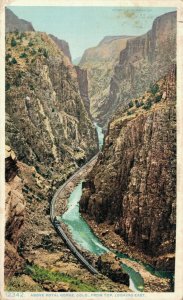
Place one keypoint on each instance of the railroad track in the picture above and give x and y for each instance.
(58, 226)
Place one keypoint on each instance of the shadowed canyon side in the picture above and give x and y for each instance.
(143, 60)
(83, 87)
(99, 62)
(133, 184)
(15, 211)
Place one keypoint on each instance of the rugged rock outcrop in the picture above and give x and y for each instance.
(44, 108)
(144, 61)
(13, 23)
(83, 87)
(63, 46)
(109, 265)
(99, 62)
(133, 184)
(15, 209)
(108, 49)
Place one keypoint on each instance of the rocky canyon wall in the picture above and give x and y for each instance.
(99, 62)
(133, 184)
(143, 61)
(15, 211)
(83, 87)
(48, 126)
(63, 45)
(44, 107)
(13, 23)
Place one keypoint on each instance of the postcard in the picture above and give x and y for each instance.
(91, 136)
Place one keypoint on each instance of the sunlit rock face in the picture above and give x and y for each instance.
(63, 45)
(142, 61)
(44, 107)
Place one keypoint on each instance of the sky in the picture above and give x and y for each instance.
(85, 27)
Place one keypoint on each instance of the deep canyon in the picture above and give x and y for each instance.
(118, 103)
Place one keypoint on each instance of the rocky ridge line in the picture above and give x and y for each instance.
(13, 23)
(144, 61)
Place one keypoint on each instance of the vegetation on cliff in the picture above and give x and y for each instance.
(44, 107)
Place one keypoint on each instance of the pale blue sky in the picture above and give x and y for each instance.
(84, 27)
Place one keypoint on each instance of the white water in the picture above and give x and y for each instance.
(100, 135)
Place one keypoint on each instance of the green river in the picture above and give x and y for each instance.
(83, 235)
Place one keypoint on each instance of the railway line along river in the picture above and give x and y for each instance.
(83, 235)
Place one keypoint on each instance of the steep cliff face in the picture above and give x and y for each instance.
(44, 108)
(133, 184)
(63, 46)
(99, 62)
(13, 23)
(15, 209)
(144, 60)
(83, 87)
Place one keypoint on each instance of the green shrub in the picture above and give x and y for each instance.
(130, 104)
(7, 86)
(7, 56)
(30, 44)
(157, 98)
(38, 169)
(13, 42)
(154, 88)
(137, 104)
(23, 55)
(33, 52)
(31, 87)
(41, 275)
(45, 53)
(14, 61)
(20, 74)
(22, 35)
(148, 104)
(33, 60)
(129, 113)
